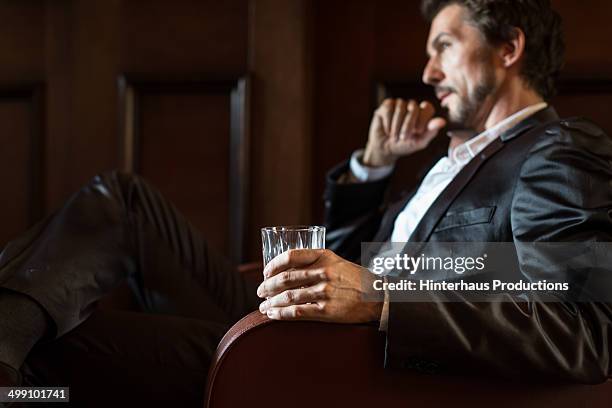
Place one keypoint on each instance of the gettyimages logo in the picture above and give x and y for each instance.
(384, 264)
(564, 271)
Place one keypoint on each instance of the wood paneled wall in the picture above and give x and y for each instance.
(234, 109)
(21, 154)
(209, 100)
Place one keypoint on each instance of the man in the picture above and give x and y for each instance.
(521, 178)
(527, 176)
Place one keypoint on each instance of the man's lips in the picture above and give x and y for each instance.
(442, 96)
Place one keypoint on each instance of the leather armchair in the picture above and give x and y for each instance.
(264, 363)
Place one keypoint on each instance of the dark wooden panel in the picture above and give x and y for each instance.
(587, 31)
(88, 43)
(22, 64)
(184, 36)
(344, 58)
(22, 28)
(589, 98)
(281, 66)
(20, 159)
(190, 138)
(400, 34)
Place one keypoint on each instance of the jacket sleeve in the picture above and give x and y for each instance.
(563, 194)
(353, 212)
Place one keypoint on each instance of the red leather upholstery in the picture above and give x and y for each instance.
(260, 363)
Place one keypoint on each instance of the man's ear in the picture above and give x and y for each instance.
(511, 51)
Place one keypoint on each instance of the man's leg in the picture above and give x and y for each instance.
(119, 358)
(21, 324)
(119, 227)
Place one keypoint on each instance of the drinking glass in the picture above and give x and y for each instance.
(276, 240)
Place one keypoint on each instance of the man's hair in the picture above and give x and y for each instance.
(496, 19)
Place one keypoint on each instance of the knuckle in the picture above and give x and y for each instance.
(289, 296)
(386, 106)
(291, 254)
(314, 275)
(297, 312)
(425, 105)
(328, 290)
(284, 277)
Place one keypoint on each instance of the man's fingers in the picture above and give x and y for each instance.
(295, 312)
(292, 258)
(295, 297)
(385, 113)
(427, 112)
(433, 128)
(410, 120)
(289, 280)
(436, 124)
(398, 118)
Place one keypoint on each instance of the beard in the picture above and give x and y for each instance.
(466, 113)
(465, 116)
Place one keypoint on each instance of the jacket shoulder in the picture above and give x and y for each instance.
(580, 125)
(575, 129)
(576, 134)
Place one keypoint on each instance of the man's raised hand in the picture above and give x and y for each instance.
(400, 128)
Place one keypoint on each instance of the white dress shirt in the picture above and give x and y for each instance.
(442, 173)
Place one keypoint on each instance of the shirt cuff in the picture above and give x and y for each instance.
(384, 316)
(365, 173)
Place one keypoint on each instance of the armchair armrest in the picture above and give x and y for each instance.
(264, 363)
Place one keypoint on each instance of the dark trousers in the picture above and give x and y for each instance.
(119, 229)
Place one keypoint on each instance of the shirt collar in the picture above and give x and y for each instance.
(466, 151)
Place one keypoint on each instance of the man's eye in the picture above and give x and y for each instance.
(444, 45)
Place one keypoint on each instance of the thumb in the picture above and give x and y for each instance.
(436, 124)
(433, 127)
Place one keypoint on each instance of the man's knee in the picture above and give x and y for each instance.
(114, 184)
(112, 179)
(128, 190)
(104, 198)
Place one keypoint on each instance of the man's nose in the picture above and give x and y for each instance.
(432, 74)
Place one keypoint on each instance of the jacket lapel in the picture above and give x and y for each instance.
(438, 209)
(393, 210)
(444, 200)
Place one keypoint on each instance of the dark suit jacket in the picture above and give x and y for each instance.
(546, 179)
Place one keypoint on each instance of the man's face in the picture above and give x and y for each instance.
(460, 67)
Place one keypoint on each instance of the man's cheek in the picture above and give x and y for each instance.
(453, 61)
